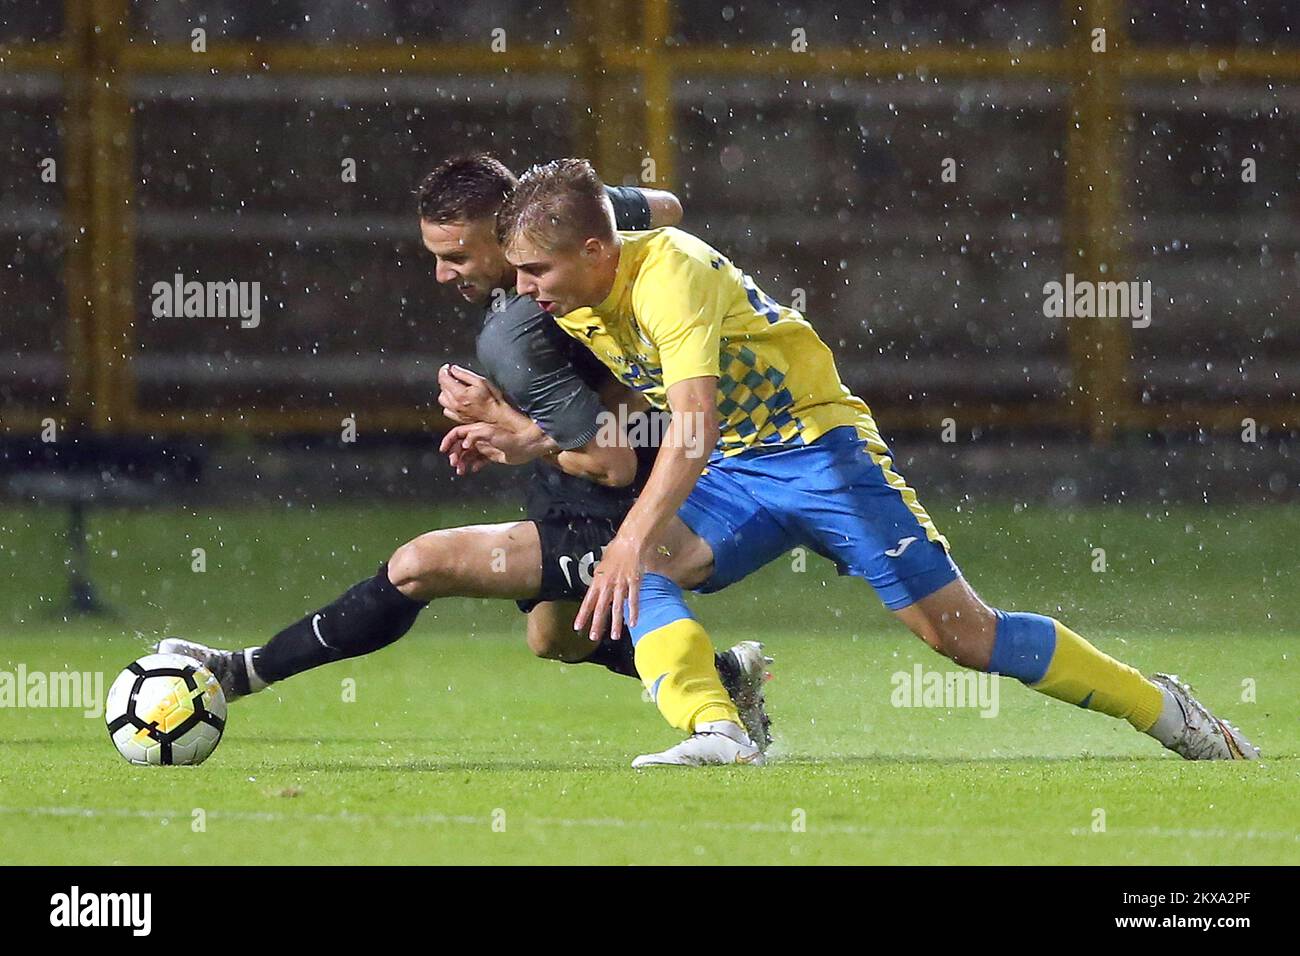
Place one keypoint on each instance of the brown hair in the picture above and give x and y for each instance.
(464, 189)
(557, 205)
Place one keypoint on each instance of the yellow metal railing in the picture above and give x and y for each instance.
(616, 42)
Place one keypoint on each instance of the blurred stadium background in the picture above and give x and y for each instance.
(818, 169)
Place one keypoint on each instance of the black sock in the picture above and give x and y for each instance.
(620, 657)
(617, 656)
(369, 615)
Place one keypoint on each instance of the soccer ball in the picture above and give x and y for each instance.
(165, 709)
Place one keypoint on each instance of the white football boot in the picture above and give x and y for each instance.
(743, 677)
(717, 743)
(233, 669)
(1203, 736)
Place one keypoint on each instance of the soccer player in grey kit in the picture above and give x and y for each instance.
(542, 392)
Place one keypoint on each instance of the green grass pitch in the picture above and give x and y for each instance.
(462, 748)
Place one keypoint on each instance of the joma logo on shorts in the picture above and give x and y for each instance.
(903, 545)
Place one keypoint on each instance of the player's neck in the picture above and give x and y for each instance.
(607, 268)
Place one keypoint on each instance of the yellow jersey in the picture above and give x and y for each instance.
(679, 309)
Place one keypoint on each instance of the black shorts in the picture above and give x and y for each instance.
(570, 549)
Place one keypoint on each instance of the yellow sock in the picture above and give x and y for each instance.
(676, 665)
(1080, 674)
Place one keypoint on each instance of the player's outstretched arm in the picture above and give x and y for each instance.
(510, 437)
(490, 429)
(470, 446)
(682, 456)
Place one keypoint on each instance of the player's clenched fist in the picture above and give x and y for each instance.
(467, 397)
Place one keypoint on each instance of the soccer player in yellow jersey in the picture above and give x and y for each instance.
(768, 450)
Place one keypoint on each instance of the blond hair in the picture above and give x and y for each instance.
(557, 205)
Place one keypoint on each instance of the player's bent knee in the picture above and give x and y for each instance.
(696, 568)
(543, 643)
(688, 566)
(540, 633)
(416, 567)
(551, 636)
(403, 566)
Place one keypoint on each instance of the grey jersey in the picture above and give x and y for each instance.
(553, 380)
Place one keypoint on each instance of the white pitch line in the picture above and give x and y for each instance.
(425, 819)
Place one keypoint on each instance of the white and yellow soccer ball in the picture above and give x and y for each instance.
(165, 709)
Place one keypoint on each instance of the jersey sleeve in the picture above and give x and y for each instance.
(631, 208)
(678, 302)
(529, 360)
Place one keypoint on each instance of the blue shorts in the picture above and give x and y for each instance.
(839, 497)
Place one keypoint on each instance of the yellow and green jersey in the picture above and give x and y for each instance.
(679, 309)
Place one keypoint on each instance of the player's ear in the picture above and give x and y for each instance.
(592, 247)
